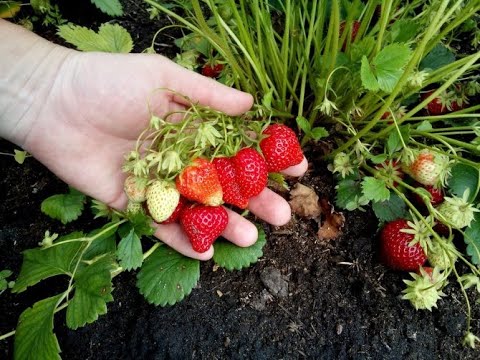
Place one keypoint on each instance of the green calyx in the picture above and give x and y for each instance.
(172, 142)
(425, 289)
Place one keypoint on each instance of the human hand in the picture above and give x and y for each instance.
(94, 112)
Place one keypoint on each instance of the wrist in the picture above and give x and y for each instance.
(30, 67)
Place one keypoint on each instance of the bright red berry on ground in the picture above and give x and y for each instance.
(280, 148)
(203, 225)
(396, 252)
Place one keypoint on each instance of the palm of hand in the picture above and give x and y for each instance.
(95, 112)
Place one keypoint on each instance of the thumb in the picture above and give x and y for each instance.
(206, 91)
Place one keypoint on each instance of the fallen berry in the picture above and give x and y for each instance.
(203, 225)
(396, 251)
(199, 182)
(162, 199)
(280, 148)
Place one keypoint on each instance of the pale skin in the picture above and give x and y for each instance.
(80, 113)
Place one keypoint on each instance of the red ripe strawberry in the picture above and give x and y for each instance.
(199, 182)
(203, 225)
(436, 193)
(447, 101)
(232, 194)
(212, 70)
(280, 148)
(182, 202)
(251, 169)
(355, 27)
(395, 249)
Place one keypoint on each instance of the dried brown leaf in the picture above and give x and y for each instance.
(304, 201)
(333, 223)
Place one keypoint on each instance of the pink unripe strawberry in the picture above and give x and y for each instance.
(162, 199)
(428, 167)
(280, 148)
(199, 182)
(203, 225)
(135, 188)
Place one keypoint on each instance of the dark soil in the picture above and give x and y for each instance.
(303, 299)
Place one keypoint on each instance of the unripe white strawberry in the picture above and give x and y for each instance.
(427, 167)
(162, 199)
(134, 208)
(457, 212)
(442, 257)
(135, 188)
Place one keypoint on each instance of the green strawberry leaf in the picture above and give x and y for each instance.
(425, 126)
(9, 9)
(103, 244)
(349, 194)
(403, 30)
(64, 207)
(303, 124)
(129, 250)
(439, 56)
(109, 7)
(40, 264)
(93, 288)
(391, 209)
(318, 133)
(19, 156)
(110, 38)
(394, 141)
(386, 68)
(464, 177)
(375, 189)
(142, 224)
(232, 257)
(472, 239)
(166, 276)
(34, 337)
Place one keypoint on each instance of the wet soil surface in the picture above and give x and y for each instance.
(303, 299)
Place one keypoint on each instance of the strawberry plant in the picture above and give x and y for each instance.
(401, 107)
(398, 98)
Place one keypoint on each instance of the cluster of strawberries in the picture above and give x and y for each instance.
(402, 240)
(194, 199)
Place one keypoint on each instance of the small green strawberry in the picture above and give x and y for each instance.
(162, 199)
(442, 256)
(457, 212)
(134, 208)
